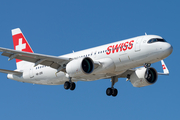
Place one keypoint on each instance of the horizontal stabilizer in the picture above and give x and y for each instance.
(10, 72)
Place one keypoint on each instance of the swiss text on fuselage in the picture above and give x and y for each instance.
(120, 47)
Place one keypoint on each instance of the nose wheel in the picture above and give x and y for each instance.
(147, 65)
(111, 90)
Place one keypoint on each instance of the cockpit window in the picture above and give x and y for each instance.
(156, 40)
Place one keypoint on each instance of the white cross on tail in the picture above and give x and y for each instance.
(21, 46)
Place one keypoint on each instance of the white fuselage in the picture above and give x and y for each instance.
(116, 59)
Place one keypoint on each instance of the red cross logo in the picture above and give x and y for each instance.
(21, 46)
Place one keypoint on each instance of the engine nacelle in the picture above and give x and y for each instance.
(141, 77)
(80, 67)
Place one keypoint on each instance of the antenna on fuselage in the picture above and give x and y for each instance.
(145, 33)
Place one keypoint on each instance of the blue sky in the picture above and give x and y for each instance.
(58, 27)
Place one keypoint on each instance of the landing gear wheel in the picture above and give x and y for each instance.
(114, 92)
(67, 85)
(72, 86)
(109, 91)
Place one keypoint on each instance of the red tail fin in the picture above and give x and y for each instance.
(20, 42)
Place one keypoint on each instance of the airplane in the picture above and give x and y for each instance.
(130, 58)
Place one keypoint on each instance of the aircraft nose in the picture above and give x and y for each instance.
(168, 48)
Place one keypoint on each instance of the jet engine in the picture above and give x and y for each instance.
(143, 77)
(80, 67)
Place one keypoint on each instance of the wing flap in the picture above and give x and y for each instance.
(55, 65)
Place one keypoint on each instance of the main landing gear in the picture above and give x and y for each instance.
(69, 85)
(147, 75)
(112, 91)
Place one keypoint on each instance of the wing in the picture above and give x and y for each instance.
(52, 61)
